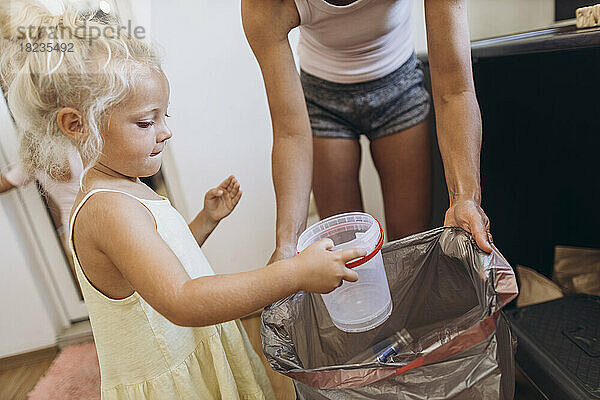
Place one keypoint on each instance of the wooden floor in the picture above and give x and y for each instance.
(16, 382)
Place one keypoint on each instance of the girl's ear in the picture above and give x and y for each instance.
(70, 122)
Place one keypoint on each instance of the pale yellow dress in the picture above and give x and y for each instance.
(144, 356)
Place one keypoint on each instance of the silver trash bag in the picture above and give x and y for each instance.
(447, 297)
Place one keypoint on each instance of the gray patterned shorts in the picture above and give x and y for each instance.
(376, 108)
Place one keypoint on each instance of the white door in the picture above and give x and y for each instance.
(41, 234)
(51, 260)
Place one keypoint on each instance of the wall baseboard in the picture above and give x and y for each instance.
(79, 332)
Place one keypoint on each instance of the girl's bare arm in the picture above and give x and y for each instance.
(219, 202)
(125, 231)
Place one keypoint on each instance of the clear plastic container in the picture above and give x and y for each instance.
(365, 304)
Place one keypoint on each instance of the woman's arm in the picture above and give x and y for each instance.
(124, 231)
(267, 24)
(457, 114)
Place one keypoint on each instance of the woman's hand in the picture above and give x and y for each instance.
(319, 270)
(467, 214)
(219, 202)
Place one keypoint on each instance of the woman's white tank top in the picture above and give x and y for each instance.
(359, 42)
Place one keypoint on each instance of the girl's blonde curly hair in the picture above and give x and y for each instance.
(89, 72)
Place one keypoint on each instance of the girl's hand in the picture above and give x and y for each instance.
(319, 270)
(219, 202)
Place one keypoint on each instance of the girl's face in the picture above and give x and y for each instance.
(136, 131)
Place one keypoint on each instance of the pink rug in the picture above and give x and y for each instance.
(73, 375)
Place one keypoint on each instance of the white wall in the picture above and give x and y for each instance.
(220, 117)
(220, 123)
(489, 18)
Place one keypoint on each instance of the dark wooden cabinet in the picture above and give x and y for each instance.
(539, 96)
(540, 160)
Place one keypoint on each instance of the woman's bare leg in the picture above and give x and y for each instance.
(336, 163)
(403, 161)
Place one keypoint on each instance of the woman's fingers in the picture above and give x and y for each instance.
(480, 233)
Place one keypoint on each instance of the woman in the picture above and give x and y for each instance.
(360, 76)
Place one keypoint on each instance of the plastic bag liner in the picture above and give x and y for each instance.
(447, 294)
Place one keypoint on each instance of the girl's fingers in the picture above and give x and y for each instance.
(237, 197)
(235, 189)
(232, 183)
(351, 254)
(214, 192)
(229, 184)
(211, 193)
(225, 184)
(349, 275)
(324, 244)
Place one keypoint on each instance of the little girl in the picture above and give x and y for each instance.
(164, 324)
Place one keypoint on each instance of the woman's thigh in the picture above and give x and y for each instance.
(336, 163)
(403, 161)
(390, 111)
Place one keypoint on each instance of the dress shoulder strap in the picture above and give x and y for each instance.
(90, 194)
(83, 280)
